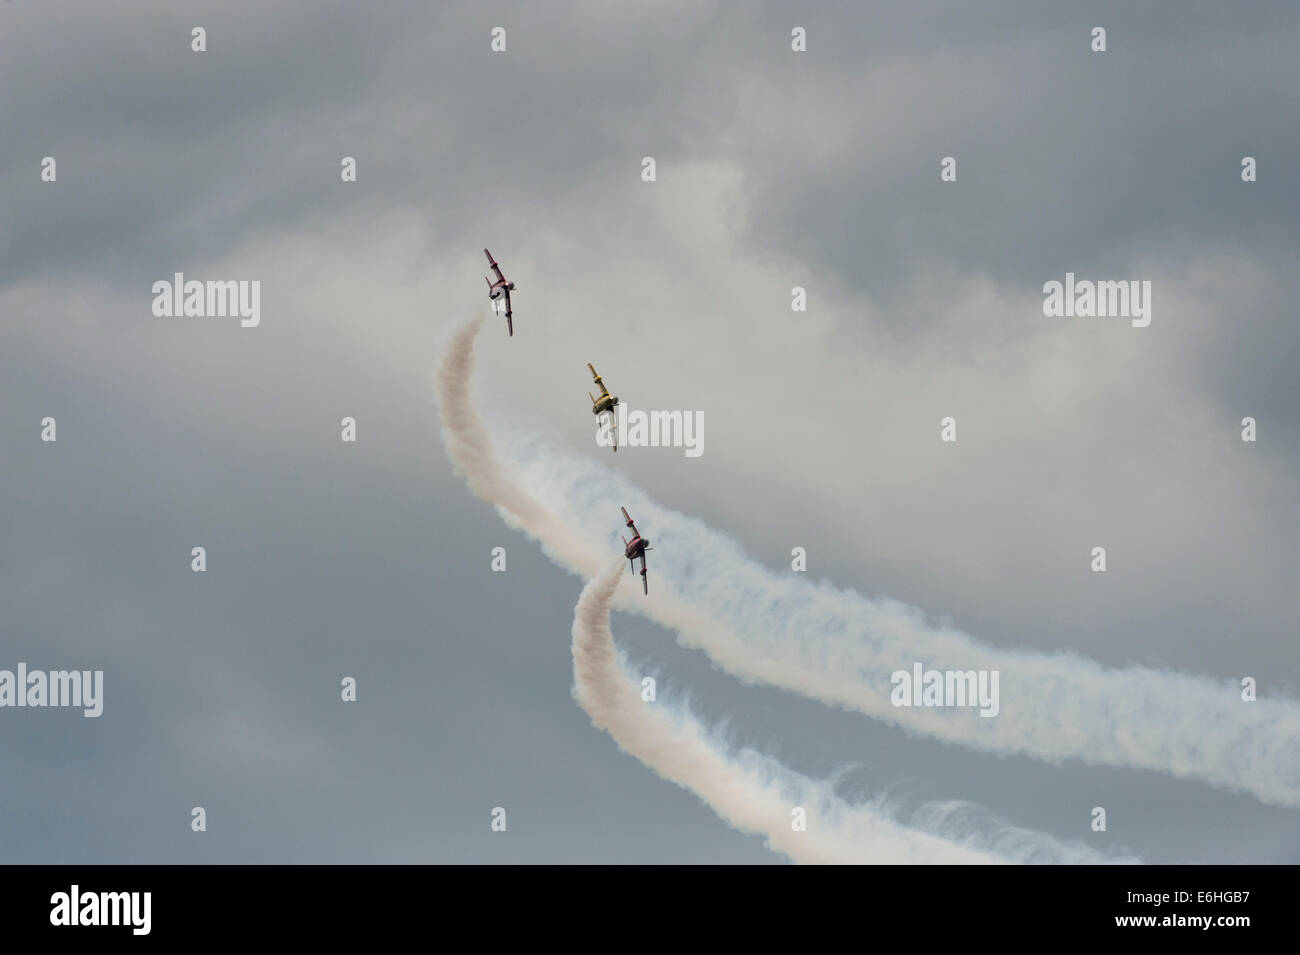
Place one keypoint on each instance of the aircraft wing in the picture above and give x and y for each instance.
(625, 516)
(645, 584)
(493, 264)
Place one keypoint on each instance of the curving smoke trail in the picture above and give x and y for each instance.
(475, 459)
(840, 648)
(758, 795)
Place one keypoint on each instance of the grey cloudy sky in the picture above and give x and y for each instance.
(775, 169)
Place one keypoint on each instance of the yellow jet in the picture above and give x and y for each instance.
(604, 404)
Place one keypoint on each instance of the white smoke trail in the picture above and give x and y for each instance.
(839, 647)
(756, 794)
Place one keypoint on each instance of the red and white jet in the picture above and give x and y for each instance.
(498, 288)
(634, 548)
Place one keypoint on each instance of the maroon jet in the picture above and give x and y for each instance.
(498, 288)
(634, 548)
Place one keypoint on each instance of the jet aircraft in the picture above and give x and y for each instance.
(634, 548)
(604, 404)
(498, 288)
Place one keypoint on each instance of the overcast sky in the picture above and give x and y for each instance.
(775, 169)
